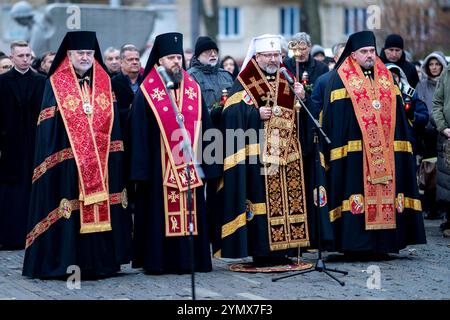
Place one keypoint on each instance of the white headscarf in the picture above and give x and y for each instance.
(264, 43)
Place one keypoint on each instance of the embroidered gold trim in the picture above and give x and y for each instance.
(341, 152)
(98, 227)
(45, 114)
(234, 159)
(259, 208)
(232, 226)
(403, 146)
(235, 98)
(66, 154)
(414, 204)
(336, 213)
(356, 145)
(339, 94)
(57, 213)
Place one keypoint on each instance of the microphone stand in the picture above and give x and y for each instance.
(320, 264)
(189, 156)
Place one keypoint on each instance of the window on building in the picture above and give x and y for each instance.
(229, 22)
(355, 20)
(289, 21)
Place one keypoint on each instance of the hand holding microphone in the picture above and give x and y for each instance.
(298, 87)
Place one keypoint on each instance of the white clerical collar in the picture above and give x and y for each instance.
(22, 72)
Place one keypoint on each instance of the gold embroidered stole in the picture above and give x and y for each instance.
(283, 166)
(374, 103)
(89, 136)
(174, 165)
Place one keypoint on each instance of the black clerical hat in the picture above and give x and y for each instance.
(357, 41)
(165, 44)
(77, 40)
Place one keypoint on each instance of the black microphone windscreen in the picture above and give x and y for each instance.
(286, 75)
(166, 78)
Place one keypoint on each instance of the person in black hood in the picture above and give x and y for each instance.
(393, 53)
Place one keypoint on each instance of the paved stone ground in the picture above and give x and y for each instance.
(418, 272)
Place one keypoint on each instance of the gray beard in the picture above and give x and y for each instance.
(271, 69)
(369, 65)
(176, 76)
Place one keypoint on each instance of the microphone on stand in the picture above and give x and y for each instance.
(166, 78)
(287, 76)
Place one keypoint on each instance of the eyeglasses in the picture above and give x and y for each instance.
(7, 67)
(270, 55)
(210, 52)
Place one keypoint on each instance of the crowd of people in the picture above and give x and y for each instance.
(92, 172)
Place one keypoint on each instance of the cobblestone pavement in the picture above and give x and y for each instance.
(418, 272)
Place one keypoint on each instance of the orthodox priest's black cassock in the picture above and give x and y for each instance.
(161, 221)
(20, 102)
(153, 250)
(263, 187)
(78, 201)
(371, 172)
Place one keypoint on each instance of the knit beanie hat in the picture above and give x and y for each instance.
(203, 44)
(393, 41)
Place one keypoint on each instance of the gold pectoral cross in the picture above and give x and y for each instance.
(267, 99)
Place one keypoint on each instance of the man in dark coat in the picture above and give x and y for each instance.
(206, 71)
(21, 92)
(163, 224)
(78, 202)
(371, 177)
(393, 52)
(302, 55)
(127, 81)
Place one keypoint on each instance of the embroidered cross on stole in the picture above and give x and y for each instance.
(174, 168)
(374, 103)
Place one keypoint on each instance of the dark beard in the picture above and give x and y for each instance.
(176, 76)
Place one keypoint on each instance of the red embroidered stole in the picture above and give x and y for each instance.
(89, 137)
(374, 103)
(174, 165)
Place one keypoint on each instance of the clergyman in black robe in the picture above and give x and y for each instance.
(162, 219)
(21, 91)
(371, 172)
(263, 189)
(78, 204)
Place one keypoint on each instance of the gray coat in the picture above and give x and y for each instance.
(212, 81)
(426, 87)
(441, 115)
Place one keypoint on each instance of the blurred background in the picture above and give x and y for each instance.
(425, 25)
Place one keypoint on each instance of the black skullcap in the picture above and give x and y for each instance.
(203, 44)
(393, 41)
